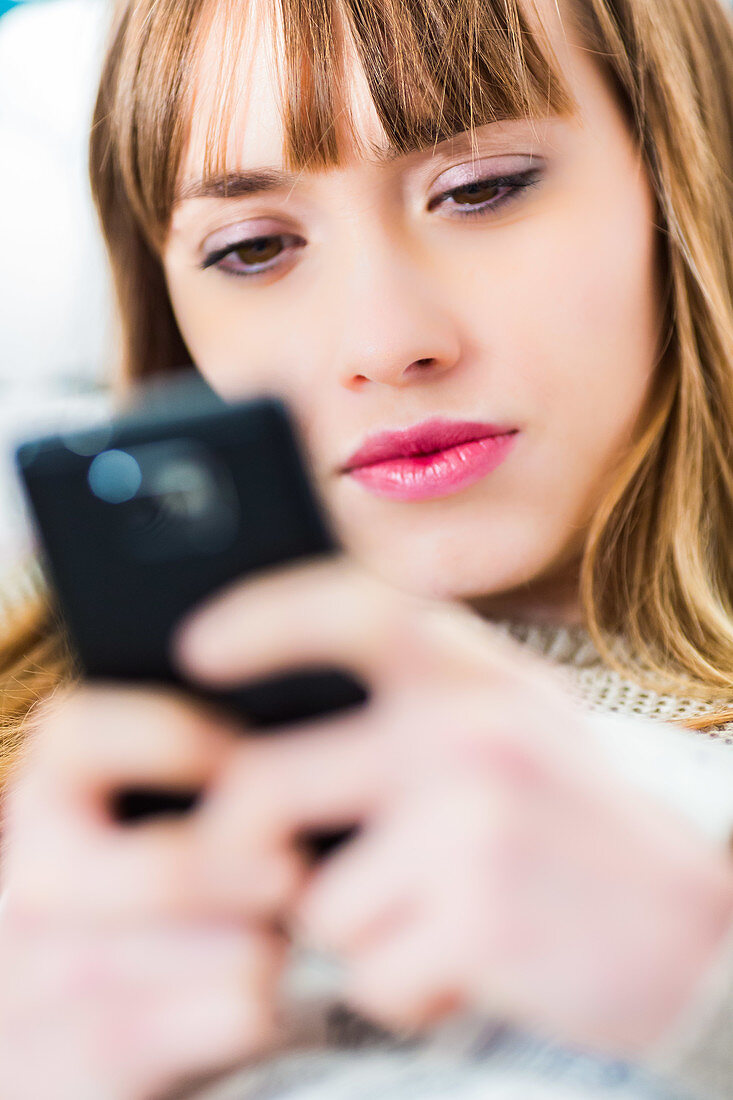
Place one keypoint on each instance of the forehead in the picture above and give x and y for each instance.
(238, 98)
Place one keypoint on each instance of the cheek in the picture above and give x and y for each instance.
(591, 332)
(617, 300)
(238, 340)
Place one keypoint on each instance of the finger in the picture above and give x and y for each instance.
(175, 997)
(345, 768)
(166, 870)
(143, 959)
(77, 862)
(329, 612)
(191, 1041)
(325, 611)
(326, 774)
(104, 736)
(400, 982)
(360, 894)
(225, 1013)
(69, 857)
(184, 998)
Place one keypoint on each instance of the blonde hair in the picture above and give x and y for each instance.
(657, 565)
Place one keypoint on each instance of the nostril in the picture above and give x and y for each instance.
(419, 366)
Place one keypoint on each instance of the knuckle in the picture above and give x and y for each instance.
(262, 886)
(283, 882)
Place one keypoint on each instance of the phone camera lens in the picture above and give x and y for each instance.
(114, 476)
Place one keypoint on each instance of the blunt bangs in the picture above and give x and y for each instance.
(434, 69)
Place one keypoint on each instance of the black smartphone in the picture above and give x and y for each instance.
(142, 514)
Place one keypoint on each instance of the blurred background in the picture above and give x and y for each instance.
(55, 311)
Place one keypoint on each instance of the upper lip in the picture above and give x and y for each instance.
(425, 438)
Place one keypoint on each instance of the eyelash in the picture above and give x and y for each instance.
(516, 183)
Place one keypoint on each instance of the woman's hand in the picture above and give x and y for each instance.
(132, 958)
(501, 867)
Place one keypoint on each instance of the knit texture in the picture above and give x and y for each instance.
(572, 654)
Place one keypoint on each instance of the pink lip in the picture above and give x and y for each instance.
(433, 459)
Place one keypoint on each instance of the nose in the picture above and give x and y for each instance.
(394, 323)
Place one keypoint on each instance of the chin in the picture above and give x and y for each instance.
(458, 549)
(450, 575)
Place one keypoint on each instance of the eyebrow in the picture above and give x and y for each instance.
(234, 184)
(231, 185)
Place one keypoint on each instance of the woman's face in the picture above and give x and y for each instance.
(377, 302)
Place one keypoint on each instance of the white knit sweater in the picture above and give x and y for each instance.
(332, 1054)
(571, 651)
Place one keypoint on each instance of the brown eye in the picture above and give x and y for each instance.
(258, 250)
(476, 192)
(254, 256)
(483, 198)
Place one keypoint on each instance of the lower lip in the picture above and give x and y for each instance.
(440, 474)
